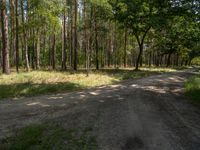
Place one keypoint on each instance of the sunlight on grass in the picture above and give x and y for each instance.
(44, 82)
(42, 77)
(159, 69)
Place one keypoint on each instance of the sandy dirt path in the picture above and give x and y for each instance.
(142, 114)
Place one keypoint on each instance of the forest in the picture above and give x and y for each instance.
(99, 74)
(96, 34)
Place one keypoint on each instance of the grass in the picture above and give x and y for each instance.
(193, 89)
(44, 82)
(49, 137)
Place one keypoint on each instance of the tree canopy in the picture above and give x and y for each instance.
(98, 33)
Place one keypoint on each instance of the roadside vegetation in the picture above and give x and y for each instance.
(47, 137)
(45, 82)
(193, 89)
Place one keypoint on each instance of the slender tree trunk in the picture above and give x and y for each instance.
(139, 56)
(53, 55)
(96, 40)
(125, 48)
(169, 60)
(71, 38)
(109, 49)
(5, 50)
(75, 34)
(64, 53)
(12, 33)
(25, 36)
(68, 36)
(115, 47)
(150, 59)
(190, 62)
(0, 48)
(33, 49)
(44, 42)
(141, 46)
(177, 59)
(50, 51)
(38, 51)
(17, 36)
(85, 34)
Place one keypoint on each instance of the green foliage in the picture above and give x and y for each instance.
(45, 14)
(49, 137)
(193, 89)
(196, 61)
(139, 15)
(179, 36)
(153, 27)
(103, 10)
(102, 3)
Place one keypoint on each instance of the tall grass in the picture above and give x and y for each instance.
(193, 89)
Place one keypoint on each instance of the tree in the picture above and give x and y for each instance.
(75, 34)
(17, 36)
(139, 17)
(125, 47)
(99, 33)
(64, 53)
(5, 50)
(24, 36)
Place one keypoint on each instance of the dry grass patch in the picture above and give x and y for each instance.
(44, 82)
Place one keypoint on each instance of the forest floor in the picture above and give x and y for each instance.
(150, 113)
(44, 82)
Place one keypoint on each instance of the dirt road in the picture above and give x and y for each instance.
(144, 114)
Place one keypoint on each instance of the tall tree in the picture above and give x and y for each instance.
(53, 52)
(96, 37)
(17, 36)
(125, 47)
(38, 50)
(12, 25)
(5, 50)
(64, 53)
(140, 17)
(75, 34)
(24, 36)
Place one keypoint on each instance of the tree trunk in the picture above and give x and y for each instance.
(115, 47)
(17, 36)
(1, 63)
(50, 51)
(96, 43)
(53, 55)
(150, 59)
(38, 51)
(141, 46)
(5, 51)
(64, 53)
(177, 59)
(12, 33)
(125, 48)
(109, 50)
(169, 60)
(85, 34)
(68, 35)
(71, 38)
(75, 34)
(139, 56)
